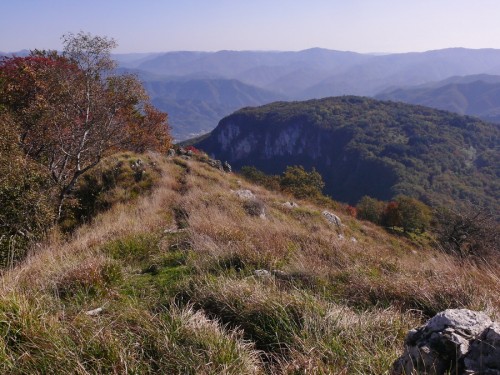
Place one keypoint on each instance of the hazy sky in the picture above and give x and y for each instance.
(210, 25)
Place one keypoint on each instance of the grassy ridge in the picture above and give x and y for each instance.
(174, 275)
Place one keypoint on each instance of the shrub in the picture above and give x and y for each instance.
(254, 175)
(25, 197)
(302, 184)
(472, 231)
(351, 211)
(119, 178)
(370, 209)
(392, 216)
(254, 207)
(415, 216)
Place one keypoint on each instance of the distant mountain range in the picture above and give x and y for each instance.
(363, 147)
(477, 95)
(318, 73)
(207, 79)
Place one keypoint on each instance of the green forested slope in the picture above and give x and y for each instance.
(363, 146)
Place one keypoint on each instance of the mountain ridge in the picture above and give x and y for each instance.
(311, 73)
(477, 95)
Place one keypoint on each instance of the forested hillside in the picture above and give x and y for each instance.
(363, 147)
(195, 106)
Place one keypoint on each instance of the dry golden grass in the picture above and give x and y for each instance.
(187, 301)
(377, 269)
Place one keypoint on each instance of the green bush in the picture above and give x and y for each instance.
(302, 184)
(25, 197)
(415, 215)
(254, 175)
(370, 209)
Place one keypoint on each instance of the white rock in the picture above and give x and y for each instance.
(94, 312)
(290, 205)
(470, 322)
(332, 218)
(452, 337)
(244, 194)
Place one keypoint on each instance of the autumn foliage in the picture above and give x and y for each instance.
(403, 212)
(67, 111)
(72, 110)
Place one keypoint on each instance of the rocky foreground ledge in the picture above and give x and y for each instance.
(455, 341)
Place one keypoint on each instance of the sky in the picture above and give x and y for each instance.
(367, 26)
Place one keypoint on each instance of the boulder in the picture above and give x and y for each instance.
(244, 194)
(254, 207)
(217, 164)
(171, 152)
(456, 341)
(484, 353)
(332, 218)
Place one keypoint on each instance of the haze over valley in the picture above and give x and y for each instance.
(197, 89)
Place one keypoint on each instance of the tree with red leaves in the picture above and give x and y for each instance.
(72, 111)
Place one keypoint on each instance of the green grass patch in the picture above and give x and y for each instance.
(157, 284)
(137, 248)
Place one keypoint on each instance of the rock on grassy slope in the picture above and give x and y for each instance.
(168, 284)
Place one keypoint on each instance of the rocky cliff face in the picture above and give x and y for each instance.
(293, 139)
(272, 149)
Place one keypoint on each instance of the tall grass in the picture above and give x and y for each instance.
(174, 275)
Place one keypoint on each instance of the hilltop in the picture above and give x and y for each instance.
(191, 278)
(363, 147)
